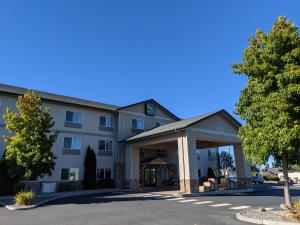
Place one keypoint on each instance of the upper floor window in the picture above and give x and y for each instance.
(72, 143)
(105, 145)
(106, 121)
(138, 124)
(74, 117)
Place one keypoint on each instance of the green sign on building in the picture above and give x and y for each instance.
(150, 109)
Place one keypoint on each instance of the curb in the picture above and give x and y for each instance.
(239, 216)
(67, 195)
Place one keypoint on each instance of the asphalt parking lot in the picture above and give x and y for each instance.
(146, 209)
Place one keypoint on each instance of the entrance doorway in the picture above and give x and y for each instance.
(150, 177)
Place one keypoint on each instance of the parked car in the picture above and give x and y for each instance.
(258, 179)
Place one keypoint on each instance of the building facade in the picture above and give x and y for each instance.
(138, 145)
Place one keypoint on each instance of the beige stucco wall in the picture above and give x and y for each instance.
(89, 135)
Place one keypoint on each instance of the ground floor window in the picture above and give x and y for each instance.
(70, 174)
(104, 173)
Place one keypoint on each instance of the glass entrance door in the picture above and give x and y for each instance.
(150, 177)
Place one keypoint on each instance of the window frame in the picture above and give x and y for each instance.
(73, 117)
(106, 121)
(101, 173)
(77, 174)
(137, 124)
(72, 143)
(105, 144)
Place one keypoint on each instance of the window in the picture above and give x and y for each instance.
(138, 124)
(106, 121)
(211, 154)
(104, 173)
(70, 174)
(105, 145)
(73, 117)
(199, 173)
(157, 124)
(108, 173)
(0, 103)
(72, 143)
(220, 129)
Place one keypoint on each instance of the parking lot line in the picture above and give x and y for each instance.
(188, 200)
(220, 205)
(204, 202)
(175, 199)
(166, 196)
(240, 207)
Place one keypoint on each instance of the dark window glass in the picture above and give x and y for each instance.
(107, 173)
(199, 173)
(67, 142)
(100, 174)
(134, 123)
(102, 121)
(64, 174)
(69, 116)
(109, 145)
(101, 145)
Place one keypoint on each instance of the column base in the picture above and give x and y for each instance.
(189, 186)
(132, 184)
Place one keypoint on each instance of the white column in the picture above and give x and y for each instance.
(244, 179)
(187, 158)
(132, 164)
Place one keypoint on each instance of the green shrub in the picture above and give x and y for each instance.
(24, 198)
(7, 183)
(19, 187)
(68, 186)
(107, 183)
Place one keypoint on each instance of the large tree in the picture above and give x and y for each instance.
(28, 153)
(226, 160)
(270, 101)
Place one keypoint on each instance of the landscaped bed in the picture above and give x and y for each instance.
(39, 199)
(269, 217)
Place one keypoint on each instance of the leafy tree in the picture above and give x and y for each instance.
(226, 160)
(90, 164)
(28, 152)
(270, 101)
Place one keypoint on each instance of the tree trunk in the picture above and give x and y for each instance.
(287, 195)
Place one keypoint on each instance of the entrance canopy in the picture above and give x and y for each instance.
(214, 129)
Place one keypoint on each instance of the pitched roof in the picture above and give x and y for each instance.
(177, 125)
(58, 98)
(155, 102)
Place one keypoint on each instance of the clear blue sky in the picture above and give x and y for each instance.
(120, 52)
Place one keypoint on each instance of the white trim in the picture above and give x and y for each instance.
(141, 128)
(141, 114)
(213, 132)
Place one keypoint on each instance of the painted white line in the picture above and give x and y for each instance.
(240, 207)
(188, 200)
(165, 196)
(220, 205)
(175, 199)
(141, 195)
(152, 196)
(204, 202)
